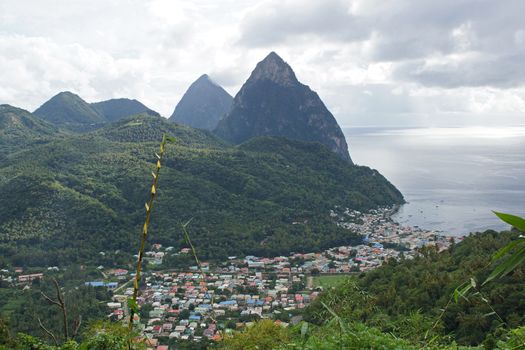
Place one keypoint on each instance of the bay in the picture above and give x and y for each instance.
(452, 178)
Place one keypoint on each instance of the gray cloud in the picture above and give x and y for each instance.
(372, 61)
(278, 22)
(411, 34)
(503, 72)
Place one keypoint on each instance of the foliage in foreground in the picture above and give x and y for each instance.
(418, 329)
(99, 336)
(266, 335)
(413, 298)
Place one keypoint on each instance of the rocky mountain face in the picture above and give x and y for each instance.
(272, 102)
(203, 105)
(68, 110)
(118, 108)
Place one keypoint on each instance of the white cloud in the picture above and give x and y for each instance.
(372, 62)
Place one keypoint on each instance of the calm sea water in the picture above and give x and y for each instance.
(452, 177)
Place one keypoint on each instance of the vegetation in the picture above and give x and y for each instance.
(408, 304)
(516, 248)
(329, 281)
(70, 112)
(265, 335)
(26, 309)
(85, 186)
(118, 108)
(81, 195)
(19, 129)
(407, 297)
(133, 306)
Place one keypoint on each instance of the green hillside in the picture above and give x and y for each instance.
(20, 129)
(84, 194)
(67, 110)
(410, 297)
(118, 108)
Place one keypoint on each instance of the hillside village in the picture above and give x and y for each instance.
(190, 305)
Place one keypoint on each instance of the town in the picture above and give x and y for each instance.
(203, 301)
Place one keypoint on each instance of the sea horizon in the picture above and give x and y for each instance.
(452, 178)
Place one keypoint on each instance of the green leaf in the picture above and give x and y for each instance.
(463, 289)
(500, 253)
(507, 266)
(336, 318)
(456, 295)
(332, 312)
(513, 220)
(133, 306)
(170, 139)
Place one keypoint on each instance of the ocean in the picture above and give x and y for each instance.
(452, 178)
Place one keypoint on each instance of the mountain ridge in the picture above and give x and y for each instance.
(117, 108)
(272, 102)
(70, 111)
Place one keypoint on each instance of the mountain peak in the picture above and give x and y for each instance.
(66, 93)
(273, 102)
(69, 110)
(275, 69)
(203, 104)
(205, 81)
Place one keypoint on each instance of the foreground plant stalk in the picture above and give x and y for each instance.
(132, 303)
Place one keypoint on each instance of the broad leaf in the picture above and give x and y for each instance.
(507, 266)
(500, 253)
(513, 220)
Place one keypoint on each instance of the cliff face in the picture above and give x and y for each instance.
(203, 105)
(272, 102)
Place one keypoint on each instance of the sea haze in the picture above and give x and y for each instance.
(452, 178)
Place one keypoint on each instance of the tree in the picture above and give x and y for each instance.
(516, 249)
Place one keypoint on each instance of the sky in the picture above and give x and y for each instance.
(373, 62)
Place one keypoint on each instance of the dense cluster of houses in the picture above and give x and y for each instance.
(378, 228)
(189, 305)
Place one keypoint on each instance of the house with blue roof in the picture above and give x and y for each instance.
(108, 285)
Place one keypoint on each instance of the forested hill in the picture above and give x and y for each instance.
(69, 111)
(77, 195)
(412, 297)
(118, 108)
(19, 129)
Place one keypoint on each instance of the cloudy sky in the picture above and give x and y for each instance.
(373, 62)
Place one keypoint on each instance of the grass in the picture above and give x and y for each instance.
(329, 281)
